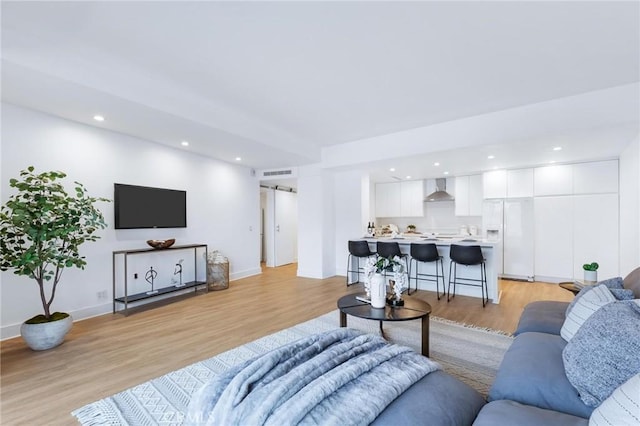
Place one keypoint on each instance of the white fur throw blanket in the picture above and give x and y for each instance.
(340, 377)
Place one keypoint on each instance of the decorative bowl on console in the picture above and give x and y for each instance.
(161, 244)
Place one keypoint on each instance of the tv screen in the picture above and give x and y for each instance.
(145, 207)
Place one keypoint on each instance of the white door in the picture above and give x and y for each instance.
(286, 228)
(518, 238)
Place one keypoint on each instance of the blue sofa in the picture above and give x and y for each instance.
(531, 387)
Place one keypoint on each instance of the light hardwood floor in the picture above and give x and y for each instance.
(106, 354)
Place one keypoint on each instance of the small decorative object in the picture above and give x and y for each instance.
(161, 244)
(590, 272)
(411, 229)
(374, 278)
(150, 276)
(394, 298)
(178, 271)
(42, 227)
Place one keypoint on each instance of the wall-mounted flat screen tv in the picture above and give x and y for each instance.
(146, 207)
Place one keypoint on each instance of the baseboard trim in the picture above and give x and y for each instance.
(13, 330)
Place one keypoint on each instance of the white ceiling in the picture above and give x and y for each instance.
(276, 82)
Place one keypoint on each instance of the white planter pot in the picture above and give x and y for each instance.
(40, 337)
(378, 291)
(591, 276)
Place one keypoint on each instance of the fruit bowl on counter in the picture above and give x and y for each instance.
(161, 244)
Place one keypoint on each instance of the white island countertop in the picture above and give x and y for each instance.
(438, 240)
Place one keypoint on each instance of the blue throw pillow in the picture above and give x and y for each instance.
(604, 352)
(611, 283)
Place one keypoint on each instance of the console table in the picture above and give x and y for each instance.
(137, 297)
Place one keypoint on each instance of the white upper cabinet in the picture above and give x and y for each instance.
(553, 180)
(520, 183)
(401, 199)
(476, 195)
(495, 184)
(468, 195)
(462, 196)
(388, 200)
(595, 178)
(412, 198)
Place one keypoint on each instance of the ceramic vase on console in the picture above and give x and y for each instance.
(378, 291)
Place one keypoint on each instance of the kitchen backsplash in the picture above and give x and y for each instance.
(439, 217)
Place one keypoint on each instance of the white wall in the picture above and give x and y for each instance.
(223, 204)
(630, 207)
(351, 214)
(316, 254)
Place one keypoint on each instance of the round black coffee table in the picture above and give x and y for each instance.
(413, 309)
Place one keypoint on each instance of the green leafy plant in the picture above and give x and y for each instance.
(590, 266)
(42, 228)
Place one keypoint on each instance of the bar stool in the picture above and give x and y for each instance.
(467, 256)
(426, 253)
(360, 250)
(391, 250)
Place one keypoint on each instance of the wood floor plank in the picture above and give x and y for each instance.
(110, 353)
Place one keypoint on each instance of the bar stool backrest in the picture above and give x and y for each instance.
(359, 249)
(466, 255)
(424, 252)
(388, 250)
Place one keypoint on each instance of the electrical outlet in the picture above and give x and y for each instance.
(102, 294)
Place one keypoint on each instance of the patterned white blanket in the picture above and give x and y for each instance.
(339, 377)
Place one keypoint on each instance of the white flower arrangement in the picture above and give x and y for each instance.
(378, 265)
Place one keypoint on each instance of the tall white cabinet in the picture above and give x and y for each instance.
(576, 219)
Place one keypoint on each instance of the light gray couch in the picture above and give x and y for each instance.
(531, 387)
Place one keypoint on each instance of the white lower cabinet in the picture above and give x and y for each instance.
(595, 234)
(573, 230)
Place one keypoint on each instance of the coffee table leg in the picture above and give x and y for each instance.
(425, 335)
(343, 319)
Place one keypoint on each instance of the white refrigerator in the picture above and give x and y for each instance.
(509, 222)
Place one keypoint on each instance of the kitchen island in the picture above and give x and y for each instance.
(443, 245)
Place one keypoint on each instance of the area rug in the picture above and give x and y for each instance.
(471, 354)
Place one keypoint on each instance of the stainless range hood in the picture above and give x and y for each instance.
(440, 193)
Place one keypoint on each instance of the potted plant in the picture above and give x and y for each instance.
(411, 228)
(590, 272)
(374, 282)
(41, 230)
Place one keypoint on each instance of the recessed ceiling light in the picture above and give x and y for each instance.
(557, 148)
(98, 118)
(238, 159)
(436, 164)
(184, 143)
(408, 177)
(392, 169)
(491, 157)
(552, 162)
(446, 173)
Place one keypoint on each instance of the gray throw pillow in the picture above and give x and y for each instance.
(604, 352)
(622, 293)
(611, 283)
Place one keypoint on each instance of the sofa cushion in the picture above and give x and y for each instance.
(544, 317)
(513, 413)
(438, 398)
(587, 305)
(622, 408)
(532, 373)
(605, 352)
